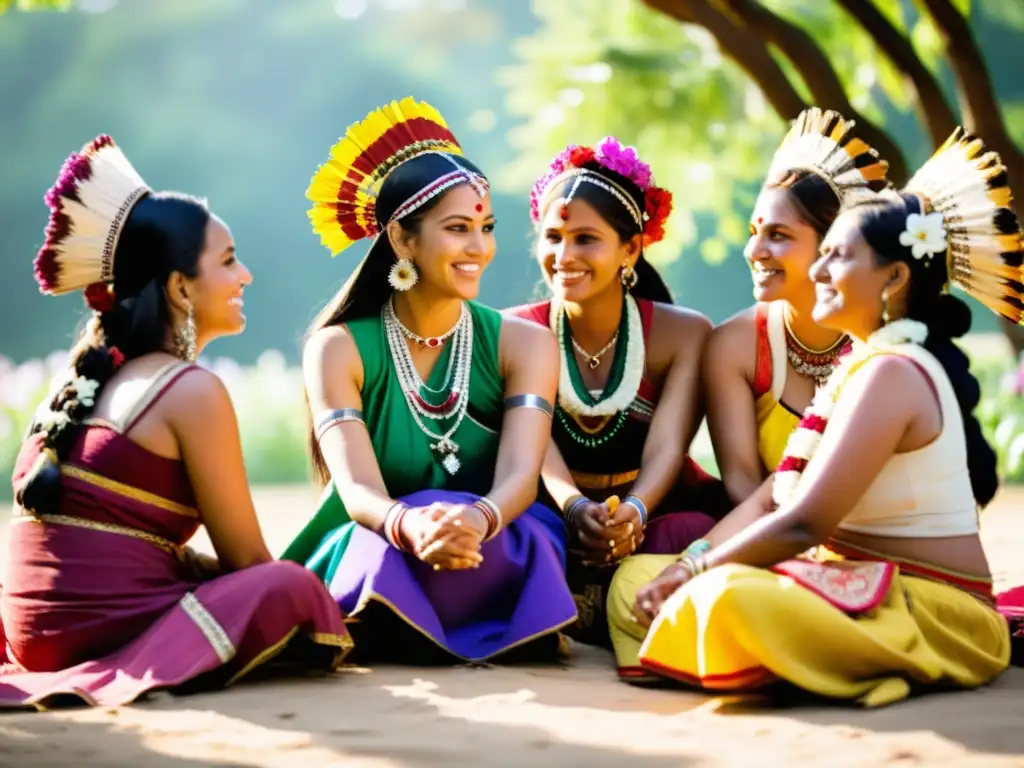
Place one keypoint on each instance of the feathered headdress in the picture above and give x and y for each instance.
(344, 190)
(578, 163)
(980, 235)
(825, 143)
(89, 204)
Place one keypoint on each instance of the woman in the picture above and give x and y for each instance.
(431, 412)
(762, 365)
(628, 397)
(869, 580)
(101, 599)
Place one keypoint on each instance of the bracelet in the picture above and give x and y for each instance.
(699, 547)
(392, 528)
(640, 506)
(574, 507)
(695, 564)
(492, 514)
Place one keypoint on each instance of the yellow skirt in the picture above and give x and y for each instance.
(735, 628)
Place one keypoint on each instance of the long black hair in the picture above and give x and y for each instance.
(367, 289)
(164, 233)
(947, 317)
(649, 283)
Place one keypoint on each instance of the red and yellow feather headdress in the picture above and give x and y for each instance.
(344, 190)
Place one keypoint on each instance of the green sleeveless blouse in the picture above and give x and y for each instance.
(403, 451)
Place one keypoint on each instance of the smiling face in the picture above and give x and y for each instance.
(849, 281)
(216, 291)
(453, 245)
(581, 255)
(781, 248)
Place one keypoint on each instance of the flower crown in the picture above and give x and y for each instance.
(578, 162)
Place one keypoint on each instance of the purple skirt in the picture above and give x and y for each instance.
(518, 594)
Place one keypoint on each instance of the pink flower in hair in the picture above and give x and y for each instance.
(624, 161)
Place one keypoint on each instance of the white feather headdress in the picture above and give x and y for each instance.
(823, 142)
(968, 185)
(89, 204)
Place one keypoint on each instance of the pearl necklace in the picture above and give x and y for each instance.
(626, 392)
(456, 383)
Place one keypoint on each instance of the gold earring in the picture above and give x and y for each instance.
(628, 276)
(885, 306)
(185, 337)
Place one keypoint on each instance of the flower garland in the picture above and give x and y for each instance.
(611, 154)
(804, 442)
(624, 394)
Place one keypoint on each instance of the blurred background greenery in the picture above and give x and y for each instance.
(240, 100)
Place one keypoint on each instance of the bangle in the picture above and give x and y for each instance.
(392, 528)
(574, 508)
(640, 506)
(571, 502)
(492, 514)
(699, 547)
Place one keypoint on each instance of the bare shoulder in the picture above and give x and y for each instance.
(890, 377)
(330, 349)
(675, 320)
(197, 396)
(735, 336)
(527, 336)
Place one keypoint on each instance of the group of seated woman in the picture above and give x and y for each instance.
(494, 482)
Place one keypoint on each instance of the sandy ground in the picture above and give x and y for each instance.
(571, 715)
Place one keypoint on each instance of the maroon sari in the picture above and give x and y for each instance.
(99, 601)
(687, 512)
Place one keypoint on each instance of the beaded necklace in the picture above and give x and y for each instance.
(455, 388)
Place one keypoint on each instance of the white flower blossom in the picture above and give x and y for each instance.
(925, 235)
(86, 389)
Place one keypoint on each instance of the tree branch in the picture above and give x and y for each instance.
(743, 47)
(933, 110)
(817, 72)
(980, 108)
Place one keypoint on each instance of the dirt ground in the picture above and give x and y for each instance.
(577, 714)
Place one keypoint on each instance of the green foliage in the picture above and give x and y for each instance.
(36, 5)
(652, 82)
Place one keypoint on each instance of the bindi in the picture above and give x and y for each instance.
(479, 207)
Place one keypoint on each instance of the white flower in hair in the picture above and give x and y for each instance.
(51, 420)
(925, 235)
(86, 389)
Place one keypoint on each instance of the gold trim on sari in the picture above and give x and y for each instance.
(127, 491)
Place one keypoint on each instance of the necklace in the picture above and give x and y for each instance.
(573, 396)
(455, 388)
(816, 364)
(433, 342)
(594, 360)
(804, 441)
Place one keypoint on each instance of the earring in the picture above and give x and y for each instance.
(628, 276)
(185, 337)
(403, 275)
(885, 306)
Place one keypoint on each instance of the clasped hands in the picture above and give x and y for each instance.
(446, 536)
(608, 531)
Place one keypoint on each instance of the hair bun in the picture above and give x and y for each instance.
(950, 317)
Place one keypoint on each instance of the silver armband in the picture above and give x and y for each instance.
(529, 401)
(329, 419)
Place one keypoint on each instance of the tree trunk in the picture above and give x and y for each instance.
(981, 110)
(932, 108)
(819, 75)
(742, 46)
